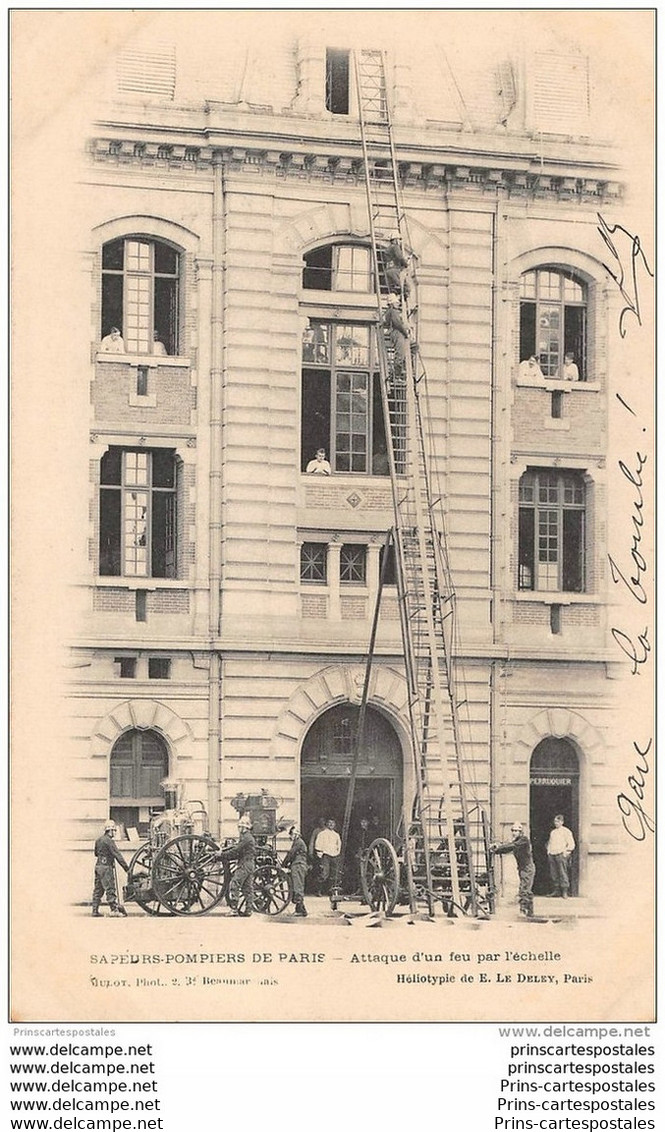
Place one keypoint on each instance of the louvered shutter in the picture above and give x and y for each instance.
(560, 93)
(144, 71)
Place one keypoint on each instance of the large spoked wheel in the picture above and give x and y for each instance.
(379, 876)
(139, 882)
(272, 890)
(187, 878)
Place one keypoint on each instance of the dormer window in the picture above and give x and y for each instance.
(338, 267)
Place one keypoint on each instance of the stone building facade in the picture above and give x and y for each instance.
(224, 614)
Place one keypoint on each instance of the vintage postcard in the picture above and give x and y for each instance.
(333, 515)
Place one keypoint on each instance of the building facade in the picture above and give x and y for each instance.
(225, 605)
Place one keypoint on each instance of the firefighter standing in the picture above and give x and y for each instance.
(296, 858)
(520, 847)
(244, 852)
(107, 853)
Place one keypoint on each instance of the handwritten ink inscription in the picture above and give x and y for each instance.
(625, 277)
(635, 820)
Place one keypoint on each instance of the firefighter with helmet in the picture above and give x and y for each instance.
(244, 852)
(106, 854)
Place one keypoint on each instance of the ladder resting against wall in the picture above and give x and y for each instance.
(445, 836)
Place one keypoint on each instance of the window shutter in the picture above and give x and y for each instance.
(144, 71)
(560, 93)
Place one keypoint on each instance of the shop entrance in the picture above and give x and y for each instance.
(325, 774)
(554, 789)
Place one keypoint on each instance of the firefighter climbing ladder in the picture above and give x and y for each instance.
(446, 841)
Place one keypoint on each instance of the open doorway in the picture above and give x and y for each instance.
(325, 775)
(554, 789)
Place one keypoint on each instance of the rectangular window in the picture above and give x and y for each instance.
(125, 667)
(551, 532)
(337, 81)
(159, 668)
(353, 565)
(342, 411)
(314, 562)
(137, 508)
(553, 321)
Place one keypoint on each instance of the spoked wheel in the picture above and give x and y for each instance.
(272, 890)
(379, 876)
(187, 878)
(139, 882)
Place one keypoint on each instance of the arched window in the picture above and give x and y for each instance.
(552, 512)
(139, 763)
(553, 321)
(140, 294)
(342, 411)
(338, 267)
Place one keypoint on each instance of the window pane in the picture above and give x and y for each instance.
(352, 345)
(166, 259)
(527, 488)
(353, 269)
(163, 468)
(113, 255)
(315, 428)
(528, 285)
(351, 428)
(316, 343)
(313, 562)
(380, 466)
(527, 330)
(353, 564)
(136, 468)
(337, 81)
(109, 531)
(111, 303)
(110, 466)
(573, 291)
(165, 318)
(573, 551)
(317, 272)
(135, 523)
(138, 255)
(526, 548)
(575, 337)
(163, 558)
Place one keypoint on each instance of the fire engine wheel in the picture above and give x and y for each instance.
(187, 878)
(272, 891)
(379, 876)
(139, 882)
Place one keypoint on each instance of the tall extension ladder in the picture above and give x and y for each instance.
(446, 839)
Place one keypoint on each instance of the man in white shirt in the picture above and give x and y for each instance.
(319, 466)
(560, 847)
(570, 370)
(328, 846)
(158, 346)
(112, 343)
(530, 368)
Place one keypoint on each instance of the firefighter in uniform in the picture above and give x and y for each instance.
(107, 853)
(520, 847)
(244, 852)
(296, 859)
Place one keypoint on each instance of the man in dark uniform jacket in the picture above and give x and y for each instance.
(244, 852)
(107, 853)
(296, 858)
(520, 846)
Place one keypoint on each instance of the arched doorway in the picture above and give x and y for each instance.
(325, 771)
(554, 789)
(139, 762)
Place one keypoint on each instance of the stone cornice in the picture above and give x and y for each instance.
(507, 175)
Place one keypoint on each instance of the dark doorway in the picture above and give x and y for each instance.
(325, 775)
(554, 789)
